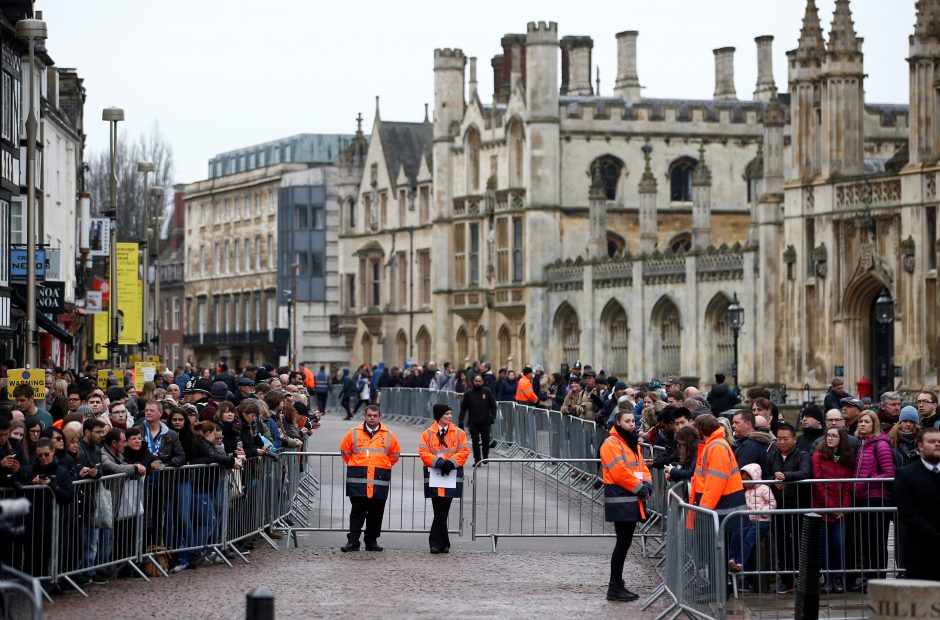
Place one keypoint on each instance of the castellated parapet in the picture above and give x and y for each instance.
(449, 58)
(542, 33)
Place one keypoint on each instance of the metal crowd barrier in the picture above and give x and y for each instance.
(855, 542)
(696, 570)
(537, 497)
(322, 495)
(20, 595)
(120, 524)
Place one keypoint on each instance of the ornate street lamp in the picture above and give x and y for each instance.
(113, 116)
(735, 315)
(884, 308)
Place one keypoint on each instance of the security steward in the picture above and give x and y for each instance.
(525, 394)
(370, 451)
(716, 481)
(444, 447)
(627, 484)
(480, 404)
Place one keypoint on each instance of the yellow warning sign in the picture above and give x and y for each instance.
(103, 376)
(29, 376)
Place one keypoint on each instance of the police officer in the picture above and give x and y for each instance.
(444, 447)
(370, 451)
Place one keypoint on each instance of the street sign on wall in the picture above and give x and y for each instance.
(50, 297)
(19, 265)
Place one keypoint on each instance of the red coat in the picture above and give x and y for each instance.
(831, 494)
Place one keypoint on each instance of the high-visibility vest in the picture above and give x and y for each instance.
(624, 473)
(455, 448)
(310, 381)
(524, 392)
(369, 461)
(716, 480)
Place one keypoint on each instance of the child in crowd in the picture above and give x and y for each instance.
(747, 537)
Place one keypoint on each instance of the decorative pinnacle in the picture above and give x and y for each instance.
(359, 123)
(928, 19)
(701, 176)
(811, 35)
(842, 38)
(648, 180)
(597, 184)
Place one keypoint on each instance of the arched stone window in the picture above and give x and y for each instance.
(616, 245)
(720, 336)
(680, 179)
(615, 331)
(568, 333)
(611, 171)
(481, 343)
(667, 338)
(522, 347)
(752, 177)
(505, 347)
(681, 242)
(366, 348)
(463, 345)
(401, 343)
(423, 340)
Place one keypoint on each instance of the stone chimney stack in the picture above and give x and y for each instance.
(765, 68)
(628, 83)
(576, 65)
(473, 77)
(724, 74)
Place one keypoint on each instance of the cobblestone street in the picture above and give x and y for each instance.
(320, 581)
(527, 577)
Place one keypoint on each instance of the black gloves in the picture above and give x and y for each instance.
(447, 467)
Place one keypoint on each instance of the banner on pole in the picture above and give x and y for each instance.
(130, 294)
(102, 335)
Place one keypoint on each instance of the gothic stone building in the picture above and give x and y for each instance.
(565, 224)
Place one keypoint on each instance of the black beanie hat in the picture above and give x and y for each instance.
(439, 410)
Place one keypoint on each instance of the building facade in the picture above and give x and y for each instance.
(172, 303)
(566, 224)
(233, 304)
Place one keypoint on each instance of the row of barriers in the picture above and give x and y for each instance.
(797, 561)
(119, 523)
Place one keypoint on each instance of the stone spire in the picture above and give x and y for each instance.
(811, 35)
(924, 60)
(842, 38)
(647, 204)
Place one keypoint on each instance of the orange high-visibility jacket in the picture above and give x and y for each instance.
(716, 481)
(455, 448)
(625, 473)
(524, 391)
(310, 381)
(369, 461)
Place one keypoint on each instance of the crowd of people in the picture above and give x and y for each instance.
(81, 431)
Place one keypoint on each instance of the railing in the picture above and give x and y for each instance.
(118, 522)
(20, 595)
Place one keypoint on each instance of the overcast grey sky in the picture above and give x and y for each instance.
(222, 74)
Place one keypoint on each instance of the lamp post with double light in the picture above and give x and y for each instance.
(31, 30)
(146, 167)
(113, 116)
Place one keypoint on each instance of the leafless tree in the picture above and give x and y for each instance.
(130, 183)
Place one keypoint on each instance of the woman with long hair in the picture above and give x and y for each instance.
(833, 459)
(874, 459)
(147, 394)
(627, 483)
(461, 384)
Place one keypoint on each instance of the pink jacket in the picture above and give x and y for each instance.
(758, 496)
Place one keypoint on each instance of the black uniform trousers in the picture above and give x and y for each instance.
(480, 437)
(439, 539)
(368, 510)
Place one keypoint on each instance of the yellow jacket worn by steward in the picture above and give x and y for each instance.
(434, 450)
(369, 461)
(626, 478)
(716, 481)
(524, 392)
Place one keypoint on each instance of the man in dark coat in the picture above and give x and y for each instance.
(835, 395)
(720, 397)
(480, 404)
(917, 492)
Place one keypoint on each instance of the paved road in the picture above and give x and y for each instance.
(526, 578)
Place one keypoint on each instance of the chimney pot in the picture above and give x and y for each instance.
(765, 68)
(724, 74)
(627, 84)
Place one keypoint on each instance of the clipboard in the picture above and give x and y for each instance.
(438, 480)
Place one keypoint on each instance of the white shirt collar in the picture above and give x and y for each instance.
(930, 468)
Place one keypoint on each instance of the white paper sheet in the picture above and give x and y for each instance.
(438, 480)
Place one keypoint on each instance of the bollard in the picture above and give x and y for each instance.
(259, 604)
(889, 599)
(806, 605)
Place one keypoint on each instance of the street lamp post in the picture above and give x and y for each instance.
(156, 193)
(735, 314)
(113, 116)
(292, 309)
(31, 30)
(884, 316)
(146, 167)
